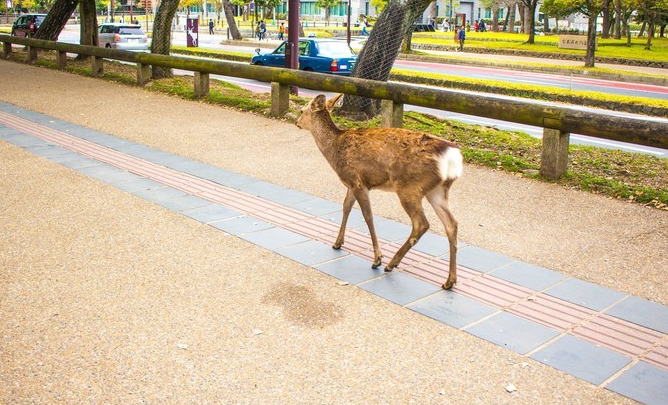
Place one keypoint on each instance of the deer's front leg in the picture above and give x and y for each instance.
(347, 207)
(362, 196)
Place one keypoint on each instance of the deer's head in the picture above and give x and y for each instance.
(311, 111)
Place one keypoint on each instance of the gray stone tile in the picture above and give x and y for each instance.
(400, 288)
(211, 213)
(388, 230)
(259, 188)
(186, 202)
(481, 260)
(274, 238)
(311, 253)
(160, 194)
(23, 140)
(644, 383)
(586, 294)
(352, 269)
(139, 185)
(642, 312)
(74, 161)
(355, 219)
(100, 172)
(512, 332)
(317, 207)
(287, 197)
(534, 277)
(452, 309)
(120, 177)
(582, 359)
(433, 244)
(49, 150)
(235, 180)
(239, 225)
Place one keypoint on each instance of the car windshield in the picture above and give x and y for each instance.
(335, 49)
(130, 31)
(39, 19)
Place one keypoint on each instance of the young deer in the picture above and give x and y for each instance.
(412, 164)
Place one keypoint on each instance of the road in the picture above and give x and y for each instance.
(538, 79)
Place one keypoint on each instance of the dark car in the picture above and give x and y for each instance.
(27, 24)
(316, 55)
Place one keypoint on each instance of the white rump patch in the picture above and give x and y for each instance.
(451, 164)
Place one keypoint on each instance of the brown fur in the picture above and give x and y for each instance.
(390, 159)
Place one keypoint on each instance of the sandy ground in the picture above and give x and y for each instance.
(107, 298)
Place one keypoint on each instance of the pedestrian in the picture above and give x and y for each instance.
(462, 38)
(281, 31)
(263, 30)
(364, 24)
(446, 26)
(476, 26)
(483, 28)
(258, 34)
(211, 27)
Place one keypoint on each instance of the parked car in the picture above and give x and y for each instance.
(27, 24)
(315, 55)
(129, 37)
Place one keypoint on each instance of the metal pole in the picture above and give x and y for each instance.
(348, 23)
(292, 47)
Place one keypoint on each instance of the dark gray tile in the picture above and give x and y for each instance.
(433, 244)
(452, 309)
(400, 288)
(317, 207)
(311, 253)
(187, 202)
(240, 225)
(534, 277)
(644, 383)
(211, 213)
(512, 332)
(160, 194)
(481, 260)
(582, 359)
(642, 312)
(352, 269)
(586, 294)
(274, 238)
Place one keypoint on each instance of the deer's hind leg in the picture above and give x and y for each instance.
(362, 196)
(439, 199)
(412, 204)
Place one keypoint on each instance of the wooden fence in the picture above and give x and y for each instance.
(557, 121)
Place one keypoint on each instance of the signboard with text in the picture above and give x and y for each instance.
(574, 42)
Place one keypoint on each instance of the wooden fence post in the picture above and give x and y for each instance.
(391, 114)
(554, 158)
(6, 49)
(280, 99)
(32, 54)
(97, 66)
(143, 74)
(61, 59)
(201, 84)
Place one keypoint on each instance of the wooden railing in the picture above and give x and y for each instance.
(557, 121)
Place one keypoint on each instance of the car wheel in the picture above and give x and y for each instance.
(259, 64)
(308, 69)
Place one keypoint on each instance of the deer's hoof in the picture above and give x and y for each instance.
(449, 284)
(337, 245)
(376, 263)
(389, 268)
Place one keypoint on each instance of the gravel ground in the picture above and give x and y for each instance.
(107, 298)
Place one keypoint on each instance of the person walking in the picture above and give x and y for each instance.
(462, 38)
(211, 27)
(365, 22)
(281, 31)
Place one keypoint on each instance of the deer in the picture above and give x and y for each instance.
(412, 164)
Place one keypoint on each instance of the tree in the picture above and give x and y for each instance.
(88, 30)
(530, 12)
(56, 19)
(327, 5)
(559, 9)
(231, 22)
(382, 48)
(162, 35)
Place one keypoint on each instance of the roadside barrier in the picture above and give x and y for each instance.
(557, 121)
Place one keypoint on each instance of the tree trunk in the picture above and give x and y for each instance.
(590, 57)
(378, 55)
(56, 19)
(495, 17)
(88, 30)
(617, 31)
(231, 23)
(605, 26)
(162, 35)
(650, 34)
(510, 19)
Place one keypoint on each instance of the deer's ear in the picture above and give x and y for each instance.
(332, 102)
(318, 103)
